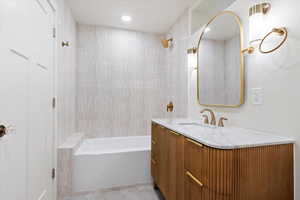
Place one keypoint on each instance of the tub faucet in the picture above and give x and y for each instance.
(170, 107)
(213, 118)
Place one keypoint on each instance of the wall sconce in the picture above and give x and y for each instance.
(249, 50)
(257, 29)
(192, 50)
(166, 42)
(192, 57)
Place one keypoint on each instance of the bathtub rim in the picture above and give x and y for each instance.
(95, 152)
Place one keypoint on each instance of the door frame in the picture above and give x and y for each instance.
(54, 7)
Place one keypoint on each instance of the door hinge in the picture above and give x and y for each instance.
(54, 32)
(53, 102)
(53, 173)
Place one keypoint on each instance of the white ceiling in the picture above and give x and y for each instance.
(155, 16)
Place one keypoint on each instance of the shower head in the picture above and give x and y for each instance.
(165, 42)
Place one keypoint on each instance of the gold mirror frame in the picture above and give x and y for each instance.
(242, 64)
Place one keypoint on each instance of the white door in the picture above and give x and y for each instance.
(14, 65)
(26, 90)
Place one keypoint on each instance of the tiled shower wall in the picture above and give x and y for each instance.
(177, 65)
(123, 80)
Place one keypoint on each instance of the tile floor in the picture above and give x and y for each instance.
(141, 192)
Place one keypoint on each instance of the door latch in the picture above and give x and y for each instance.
(2, 131)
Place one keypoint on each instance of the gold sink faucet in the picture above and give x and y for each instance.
(206, 121)
(213, 118)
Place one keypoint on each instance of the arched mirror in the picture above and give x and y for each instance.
(221, 62)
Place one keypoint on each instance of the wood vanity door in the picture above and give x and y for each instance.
(167, 165)
(154, 153)
(175, 165)
(163, 161)
(192, 190)
(213, 168)
(221, 174)
(196, 159)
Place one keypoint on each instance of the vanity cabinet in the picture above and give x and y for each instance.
(185, 169)
(167, 162)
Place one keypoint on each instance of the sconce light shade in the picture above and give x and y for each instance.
(257, 27)
(192, 57)
(192, 61)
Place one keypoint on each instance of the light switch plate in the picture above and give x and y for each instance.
(257, 96)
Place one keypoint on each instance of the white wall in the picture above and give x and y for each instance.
(278, 74)
(66, 73)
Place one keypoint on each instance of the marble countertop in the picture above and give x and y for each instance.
(223, 138)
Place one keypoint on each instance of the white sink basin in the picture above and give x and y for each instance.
(196, 124)
(189, 124)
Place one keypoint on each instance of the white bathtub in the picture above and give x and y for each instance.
(111, 162)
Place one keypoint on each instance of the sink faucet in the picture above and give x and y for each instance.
(213, 118)
(206, 121)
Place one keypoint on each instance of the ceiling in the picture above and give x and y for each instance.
(154, 16)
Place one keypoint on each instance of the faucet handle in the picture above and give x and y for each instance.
(221, 121)
(206, 121)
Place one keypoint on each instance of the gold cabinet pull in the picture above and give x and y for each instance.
(153, 162)
(196, 143)
(194, 178)
(153, 142)
(174, 133)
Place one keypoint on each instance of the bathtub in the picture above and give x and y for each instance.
(103, 163)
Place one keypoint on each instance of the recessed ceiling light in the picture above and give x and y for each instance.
(126, 18)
